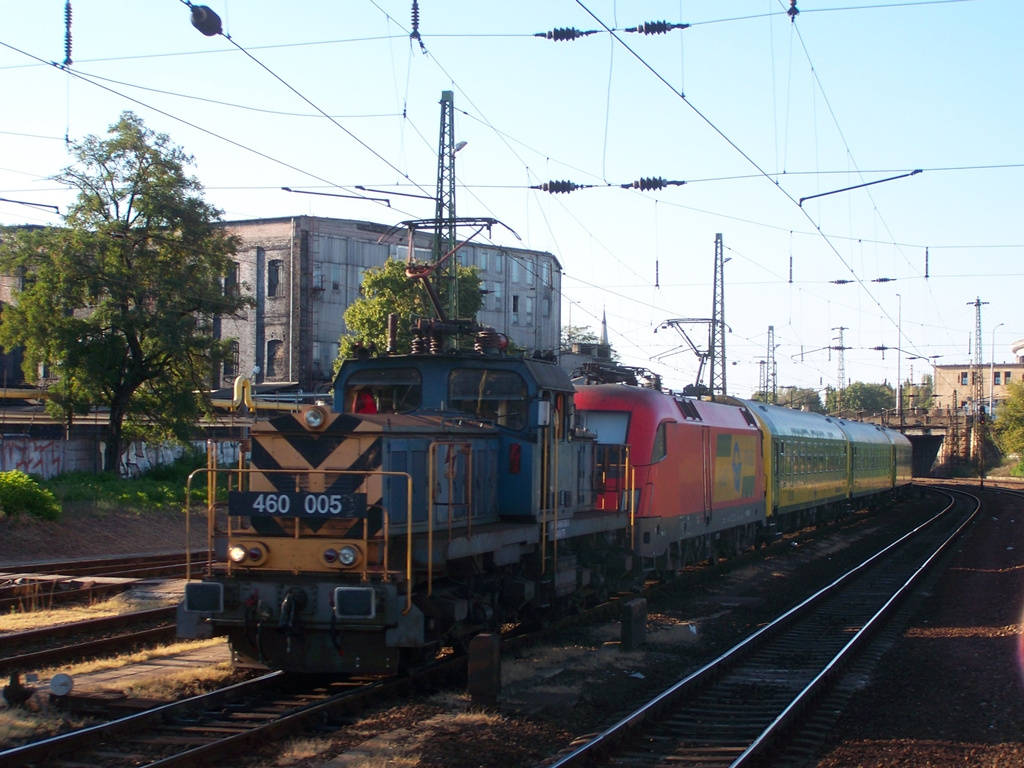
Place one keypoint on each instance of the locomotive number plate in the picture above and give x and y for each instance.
(324, 506)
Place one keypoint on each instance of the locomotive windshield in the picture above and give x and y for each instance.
(498, 396)
(375, 391)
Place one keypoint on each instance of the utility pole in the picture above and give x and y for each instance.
(445, 224)
(977, 389)
(841, 375)
(718, 323)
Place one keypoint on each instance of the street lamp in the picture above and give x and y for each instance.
(992, 374)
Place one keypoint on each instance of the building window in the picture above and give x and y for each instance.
(335, 277)
(274, 269)
(547, 307)
(995, 379)
(481, 259)
(275, 359)
(231, 280)
(529, 310)
(499, 263)
(1006, 377)
(231, 364)
(497, 295)
(515, 309)
(963, 379)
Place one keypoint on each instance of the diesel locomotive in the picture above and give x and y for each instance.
(443, 494)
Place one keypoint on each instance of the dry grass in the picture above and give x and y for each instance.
(179, 685)
(21, 621)
(18, 725)
(116, 662)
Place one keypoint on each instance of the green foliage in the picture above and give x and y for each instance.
(919, 395)
(858, 396)
(161, 487)
(799, 398)
(387, 290)
(578, 334)
(1008, 426)
(1018, 470)
(20, 494)
(117, 303)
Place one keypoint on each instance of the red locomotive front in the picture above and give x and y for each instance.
(696, 466)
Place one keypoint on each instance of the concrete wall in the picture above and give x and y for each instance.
(49, 458)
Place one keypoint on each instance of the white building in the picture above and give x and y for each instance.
(304, 271)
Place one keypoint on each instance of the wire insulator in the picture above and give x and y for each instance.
(560, 187)
(656, 27)
(206, 21)
(67, 33)
(793, 10)
(415, 34)
(647, 184)
(565, 33)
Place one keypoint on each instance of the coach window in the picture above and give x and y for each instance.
(395, 391)
(498, 396)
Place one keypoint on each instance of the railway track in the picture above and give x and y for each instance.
(41, 586)
(208, 728)
(744, 707)
(63, 643)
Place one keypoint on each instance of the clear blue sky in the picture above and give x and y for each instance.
(752, 110)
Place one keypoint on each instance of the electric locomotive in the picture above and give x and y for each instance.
(695, 467)
(442, 495)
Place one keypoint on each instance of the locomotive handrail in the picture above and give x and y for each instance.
(248, 472)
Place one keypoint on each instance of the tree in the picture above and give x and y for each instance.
(577, 334)
(858, 396)
(117, 304)
(1008, 428)
(795, 397)
(386, 290)
(919, 395)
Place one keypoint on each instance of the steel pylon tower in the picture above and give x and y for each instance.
(977, 388)
(445, 225)
(771, 374)
(717, 344)
(841, 374)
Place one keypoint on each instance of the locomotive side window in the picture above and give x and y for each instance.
(394, 391)
(659, 451)
(498, 396)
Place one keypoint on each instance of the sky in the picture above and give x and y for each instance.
(755, 110)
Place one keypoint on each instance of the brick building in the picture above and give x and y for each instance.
(304, 271)
(956, 386)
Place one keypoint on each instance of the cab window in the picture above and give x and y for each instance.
(659, 450)
(498, 396)
(383, 391)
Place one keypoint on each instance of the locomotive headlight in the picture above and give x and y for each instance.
(314, 418)
(247, 553)
(348, 555)
(330, 556)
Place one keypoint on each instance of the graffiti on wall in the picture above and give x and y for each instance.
(49, 458)
(42, 458)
